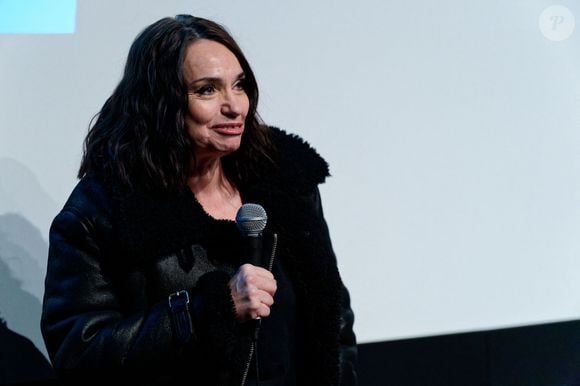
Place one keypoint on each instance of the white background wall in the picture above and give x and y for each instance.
(451, 128)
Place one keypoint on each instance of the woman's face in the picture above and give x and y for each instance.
(217, 101)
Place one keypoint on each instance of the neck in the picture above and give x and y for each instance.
(208, 176)
(211, 187)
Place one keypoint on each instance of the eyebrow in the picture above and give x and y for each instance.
(241, 75)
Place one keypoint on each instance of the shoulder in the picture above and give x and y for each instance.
(297, 161)
(88, 196)
(87, 208)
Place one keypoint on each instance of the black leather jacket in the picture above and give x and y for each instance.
(116, 256)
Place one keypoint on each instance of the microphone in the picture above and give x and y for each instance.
(251, 220)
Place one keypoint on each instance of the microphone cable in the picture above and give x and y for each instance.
(258, 321)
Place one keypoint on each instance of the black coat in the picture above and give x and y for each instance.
(116, 255)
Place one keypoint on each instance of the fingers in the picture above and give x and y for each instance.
(251, 302)
(258, 297)
(252, 290)
(253, 270)
(256, 282)
(259, 305)
(258, 277)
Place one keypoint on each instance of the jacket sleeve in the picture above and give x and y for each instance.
(85, 322)
(348, 349)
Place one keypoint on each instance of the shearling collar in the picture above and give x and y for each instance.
(155, 224)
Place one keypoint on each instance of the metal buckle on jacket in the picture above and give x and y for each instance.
(179, 310)
(178, 300)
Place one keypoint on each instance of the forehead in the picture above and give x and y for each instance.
(209, 58)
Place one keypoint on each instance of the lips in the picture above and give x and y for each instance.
(229, 128)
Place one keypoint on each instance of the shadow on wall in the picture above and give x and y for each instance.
(25, 252)
(21, 278)
(26, 211)
(19, 308)
(22, 193)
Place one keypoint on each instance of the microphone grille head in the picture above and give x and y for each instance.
(251, 219)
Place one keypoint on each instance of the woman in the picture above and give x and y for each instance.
(146, 279)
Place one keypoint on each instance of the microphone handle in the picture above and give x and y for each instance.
(254, 246)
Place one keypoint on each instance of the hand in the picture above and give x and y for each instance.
(253, 291)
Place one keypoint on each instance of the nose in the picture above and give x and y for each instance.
(233, 103)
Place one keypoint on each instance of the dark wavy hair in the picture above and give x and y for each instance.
(139, 137)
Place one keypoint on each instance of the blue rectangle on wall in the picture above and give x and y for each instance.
(37, 16)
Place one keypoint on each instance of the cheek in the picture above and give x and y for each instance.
(200, 113)
(198, 116)
(246, 105)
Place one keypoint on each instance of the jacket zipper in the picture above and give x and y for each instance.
(254, 342)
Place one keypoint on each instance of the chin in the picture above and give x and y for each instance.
(228, 150)
(233, 146)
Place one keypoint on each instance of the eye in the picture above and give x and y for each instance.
(205, 90)
(241, 85)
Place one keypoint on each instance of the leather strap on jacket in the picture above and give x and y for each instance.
(179, 310)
